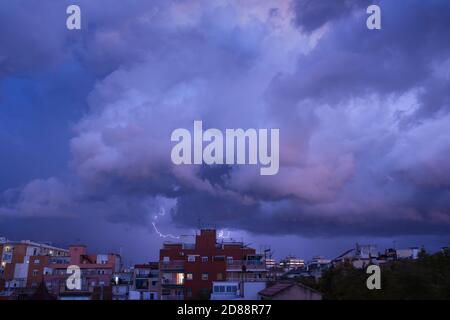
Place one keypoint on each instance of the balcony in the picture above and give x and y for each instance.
(146, 275)
(172, 282)
(250, 266)
(246, 278)
(172, 297)
(172, 265)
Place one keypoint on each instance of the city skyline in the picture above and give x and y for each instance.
(200, 267)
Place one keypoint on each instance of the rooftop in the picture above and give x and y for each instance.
(275, 289)
(281, 286)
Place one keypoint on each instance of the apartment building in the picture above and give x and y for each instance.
(22, 263)
(292, 263)
(122, 284)
(270, 263)
(146, 284)
(189, 268)
(97, 272)
(360, 257)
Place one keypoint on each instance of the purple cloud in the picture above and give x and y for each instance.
(362, 116)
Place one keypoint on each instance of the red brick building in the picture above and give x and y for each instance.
(187, 270)
(19, 268)
(24, 265)
(97, 272)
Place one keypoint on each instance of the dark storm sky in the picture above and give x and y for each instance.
(86, 118)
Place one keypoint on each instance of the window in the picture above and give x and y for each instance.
(166, 259)
(191, 258)
(204, 259)
(219, 288)
(180, 278)
(35, 272)
(204, 276)
(189, 276)
(231, 289)
(189, 292)
(229, 259)
(36, 261)
(219, 276)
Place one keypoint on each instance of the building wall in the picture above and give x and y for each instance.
(17, 262)
(36, 270)
(146, 282)
(97, 270)
(18, 252)
(174, 258)
(251, 290)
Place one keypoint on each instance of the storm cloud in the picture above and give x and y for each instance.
(363, 114)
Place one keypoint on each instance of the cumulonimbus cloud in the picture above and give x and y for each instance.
(362, 116)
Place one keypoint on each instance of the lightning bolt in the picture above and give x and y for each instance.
(221, 234)
(162, 213)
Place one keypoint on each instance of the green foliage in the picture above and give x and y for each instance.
(428, 277)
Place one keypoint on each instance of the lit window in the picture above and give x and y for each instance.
(189, 276)
(180, 278)
(191, 258)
